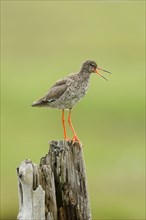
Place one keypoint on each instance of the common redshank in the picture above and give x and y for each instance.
(67, 92)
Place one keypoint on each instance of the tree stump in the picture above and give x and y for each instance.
(57, 188)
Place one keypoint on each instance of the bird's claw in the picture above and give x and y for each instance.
(75, 139)
(67, 139)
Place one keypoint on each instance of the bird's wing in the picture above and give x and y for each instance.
(60, 82)
(54, 93)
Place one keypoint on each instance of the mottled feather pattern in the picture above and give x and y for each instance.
(65, 93)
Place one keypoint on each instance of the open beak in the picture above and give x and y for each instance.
(97, 71)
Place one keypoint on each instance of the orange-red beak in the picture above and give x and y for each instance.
(99, 68)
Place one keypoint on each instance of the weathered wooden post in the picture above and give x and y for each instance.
(57, 188)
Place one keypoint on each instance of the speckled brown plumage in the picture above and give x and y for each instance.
(67, 92)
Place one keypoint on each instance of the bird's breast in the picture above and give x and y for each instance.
(78, 90)
(74, 93)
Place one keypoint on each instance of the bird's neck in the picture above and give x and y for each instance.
(84, 74)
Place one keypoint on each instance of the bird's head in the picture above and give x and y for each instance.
(91, 67)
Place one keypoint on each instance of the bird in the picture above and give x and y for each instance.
(67, 92)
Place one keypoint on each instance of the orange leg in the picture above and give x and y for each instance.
(75, 137)
(63, 124)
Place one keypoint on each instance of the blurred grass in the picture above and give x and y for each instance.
(43, 41)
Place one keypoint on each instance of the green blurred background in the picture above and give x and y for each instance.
(43, 41)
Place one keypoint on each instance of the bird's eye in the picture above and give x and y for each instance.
(91, 64)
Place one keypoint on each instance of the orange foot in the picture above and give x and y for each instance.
(74, 139)
(67, 139)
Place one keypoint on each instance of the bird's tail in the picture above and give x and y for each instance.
(42, 102)
(38, 103)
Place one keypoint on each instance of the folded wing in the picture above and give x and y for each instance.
(54, 93)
